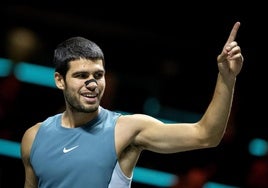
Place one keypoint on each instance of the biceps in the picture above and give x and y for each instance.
(170, 138)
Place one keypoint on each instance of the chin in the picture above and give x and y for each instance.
(92, 108)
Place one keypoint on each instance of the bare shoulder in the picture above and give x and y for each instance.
(31, 132)
(28, 139)
(137, 119)
(128, 140)
(129, 126)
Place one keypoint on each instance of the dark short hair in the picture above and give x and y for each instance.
(75, 48)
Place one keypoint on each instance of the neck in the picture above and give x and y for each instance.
(72, 119)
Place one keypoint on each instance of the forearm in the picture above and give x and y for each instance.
(215, 119)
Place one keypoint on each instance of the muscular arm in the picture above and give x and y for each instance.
(230, 62)
(145, 132)
(26, 144)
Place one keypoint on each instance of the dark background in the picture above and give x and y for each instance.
(154, 50)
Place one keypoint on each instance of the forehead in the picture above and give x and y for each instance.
(86, 65)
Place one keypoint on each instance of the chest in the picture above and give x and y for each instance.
(59, 156)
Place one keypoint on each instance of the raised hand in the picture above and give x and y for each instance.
(230, 60)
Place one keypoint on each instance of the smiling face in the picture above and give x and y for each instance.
(82, 95)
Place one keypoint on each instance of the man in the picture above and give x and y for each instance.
(89, 146)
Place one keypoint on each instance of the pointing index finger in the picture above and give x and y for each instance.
(233, 33)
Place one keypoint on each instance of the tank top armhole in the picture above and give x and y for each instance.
(119, 179)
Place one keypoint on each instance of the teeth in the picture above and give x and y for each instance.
(90, 95)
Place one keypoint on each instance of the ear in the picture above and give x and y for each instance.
(59, 81)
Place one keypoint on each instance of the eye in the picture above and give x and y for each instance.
(81, 75)
(98, 75)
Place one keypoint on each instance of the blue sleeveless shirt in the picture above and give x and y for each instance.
(82, 157)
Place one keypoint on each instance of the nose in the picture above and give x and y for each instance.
(88, 83)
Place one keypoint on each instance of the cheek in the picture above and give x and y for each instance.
(72, 85)
(102, 87)
(102, 83)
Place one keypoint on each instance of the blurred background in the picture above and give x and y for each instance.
(161, 61)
